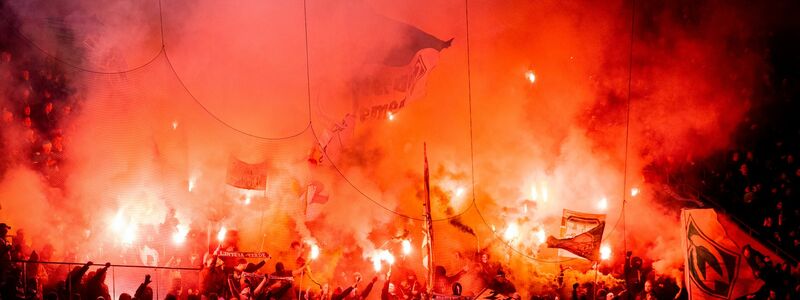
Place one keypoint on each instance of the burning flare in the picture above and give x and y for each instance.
(118, 222)
(530, 76)
(541, 235)
(544, 193)
(221, 234)
(602, 204)
(313, 254)
(406, 247)
(512, 232)
(129, 236)
(459, 192)
(381, 256)
(605, 252)
(540, 193)
(179, 237)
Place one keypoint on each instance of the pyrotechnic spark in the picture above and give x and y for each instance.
(247, 200)
(602, 204)
(605, 252)
(118, 222)
(174, 125)
(539, 193)
(541, 235)
(179, 237)
(406, 247)
(459, 192)
(381, 256)
(314, 253)
(512, 231)
(530, 76)
(544, 193)
(221, 234)
(376, 264)
(390, 116)
(191, 184)
(634, 192)
(129, 236)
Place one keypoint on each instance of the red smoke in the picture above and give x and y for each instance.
(140, 138)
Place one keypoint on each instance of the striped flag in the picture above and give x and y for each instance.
(581, 234)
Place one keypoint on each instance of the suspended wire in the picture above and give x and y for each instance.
(30, 42)
(325, 154)
(223, 122)
(610, 232)
(311, 276)
(472, 156)
(208, 111)
(378, 203)
(161, 51)
(161, 22)
(621, 217)
(309, 125)
(17, 32)
(627, 128)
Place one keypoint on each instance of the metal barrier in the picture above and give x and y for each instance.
(120, 278)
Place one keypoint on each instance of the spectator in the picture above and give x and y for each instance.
(144, 292)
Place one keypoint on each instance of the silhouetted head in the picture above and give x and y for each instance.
(279, 267)
(636, 262)
(440, 270)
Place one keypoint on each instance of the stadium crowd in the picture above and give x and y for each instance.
(37, 102)
(757, 181)
(27, 274)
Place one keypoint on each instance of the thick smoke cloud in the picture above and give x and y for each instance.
(139, 139)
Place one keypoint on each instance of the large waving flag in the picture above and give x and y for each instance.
(411, 40)
(581, 234)
(383, 90)
(389, 63)
(721, 260)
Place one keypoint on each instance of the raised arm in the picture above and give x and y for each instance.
(368, 289)
(260, 287)
(140, 292)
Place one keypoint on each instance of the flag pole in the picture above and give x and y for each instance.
(428, 220)
(594, 287)
(261, 222)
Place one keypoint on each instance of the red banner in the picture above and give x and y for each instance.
(247, 176)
